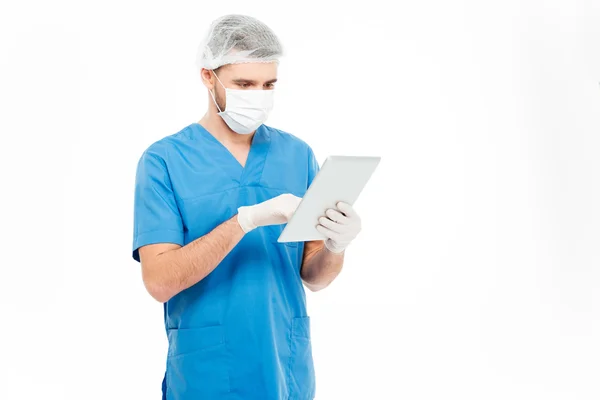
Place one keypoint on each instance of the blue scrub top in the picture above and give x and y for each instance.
(243, 331)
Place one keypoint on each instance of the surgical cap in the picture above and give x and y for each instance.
(233, 39)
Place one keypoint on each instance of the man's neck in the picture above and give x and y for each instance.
(215, 125)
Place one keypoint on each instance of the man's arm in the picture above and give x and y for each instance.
(168, 269)
(322, 261)
(319, 265)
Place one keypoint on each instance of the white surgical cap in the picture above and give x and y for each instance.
(234, 39)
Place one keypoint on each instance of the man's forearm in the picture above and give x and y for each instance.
(321, 268)
(179, 269)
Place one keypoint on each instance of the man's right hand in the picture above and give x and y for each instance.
(275, 211)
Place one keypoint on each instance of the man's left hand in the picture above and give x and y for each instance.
(340, 227)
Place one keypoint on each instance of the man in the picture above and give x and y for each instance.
(210, 201)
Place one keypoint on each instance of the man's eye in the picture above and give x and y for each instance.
(270, 85)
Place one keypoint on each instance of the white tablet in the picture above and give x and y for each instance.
(341, 178)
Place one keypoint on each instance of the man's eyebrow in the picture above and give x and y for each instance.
(242, 80)
(250, 81)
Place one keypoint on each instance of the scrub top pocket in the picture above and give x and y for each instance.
(301, 370)
(197, 364)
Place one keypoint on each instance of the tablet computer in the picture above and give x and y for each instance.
(341, 178)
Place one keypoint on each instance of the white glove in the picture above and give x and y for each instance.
(340, 228)
(275, 211)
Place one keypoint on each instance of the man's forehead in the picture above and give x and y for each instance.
(251, 72)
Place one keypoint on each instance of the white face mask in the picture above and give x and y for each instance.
(245, 110)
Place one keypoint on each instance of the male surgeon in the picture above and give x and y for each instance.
(210, 203)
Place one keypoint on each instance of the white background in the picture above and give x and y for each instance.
(477, 274)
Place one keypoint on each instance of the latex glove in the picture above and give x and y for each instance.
(275, 211)
(340, 227)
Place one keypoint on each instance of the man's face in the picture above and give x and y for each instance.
(246, 76)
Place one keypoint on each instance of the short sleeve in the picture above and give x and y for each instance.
(313, 166)
(156, 216)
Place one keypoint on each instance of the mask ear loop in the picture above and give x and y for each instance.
(211, 93)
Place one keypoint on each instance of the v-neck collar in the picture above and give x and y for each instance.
(252, 171)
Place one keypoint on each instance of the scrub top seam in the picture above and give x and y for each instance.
(205, 194)
(260, 174)
(269, 140)
(233, 188)
(258, 155)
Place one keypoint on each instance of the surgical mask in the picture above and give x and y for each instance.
(245, 110)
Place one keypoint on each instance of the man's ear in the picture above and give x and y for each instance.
(207, 78)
